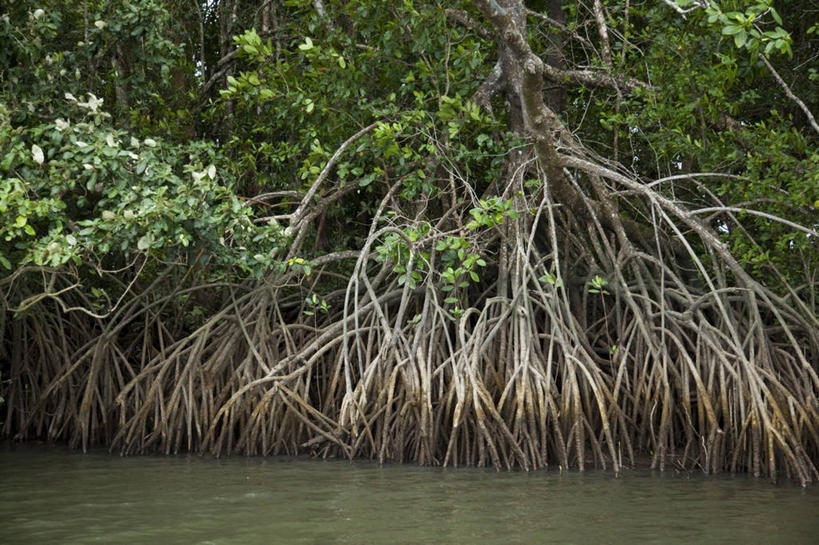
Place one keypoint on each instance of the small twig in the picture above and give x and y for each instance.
(789, 93)
(560, 26)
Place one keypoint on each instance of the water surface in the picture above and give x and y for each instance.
(55, 495)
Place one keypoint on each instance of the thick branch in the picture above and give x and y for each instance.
(490, 87)
(603, 31)
(592, 79)
(494, 82)
(542, 123)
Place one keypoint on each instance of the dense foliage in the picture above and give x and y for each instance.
(273, 226)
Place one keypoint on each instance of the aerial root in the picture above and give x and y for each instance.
(579, 348)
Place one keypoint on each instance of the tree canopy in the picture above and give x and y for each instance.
(488, 232)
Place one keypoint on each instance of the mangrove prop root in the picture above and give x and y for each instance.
(694, 366)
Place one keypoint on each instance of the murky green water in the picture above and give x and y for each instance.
(53, 495)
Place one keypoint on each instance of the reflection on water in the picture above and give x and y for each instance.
(54, 495)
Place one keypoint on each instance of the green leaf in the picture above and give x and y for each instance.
(731, 29)
(37, 154)
(145, 242)
(768, 48)
(367, 180)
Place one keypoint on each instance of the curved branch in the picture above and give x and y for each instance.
(298, 215)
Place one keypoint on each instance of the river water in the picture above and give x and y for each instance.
(55, 495)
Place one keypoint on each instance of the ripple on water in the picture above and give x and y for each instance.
(53, 495)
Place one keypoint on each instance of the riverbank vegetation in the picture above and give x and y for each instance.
(494, 233)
